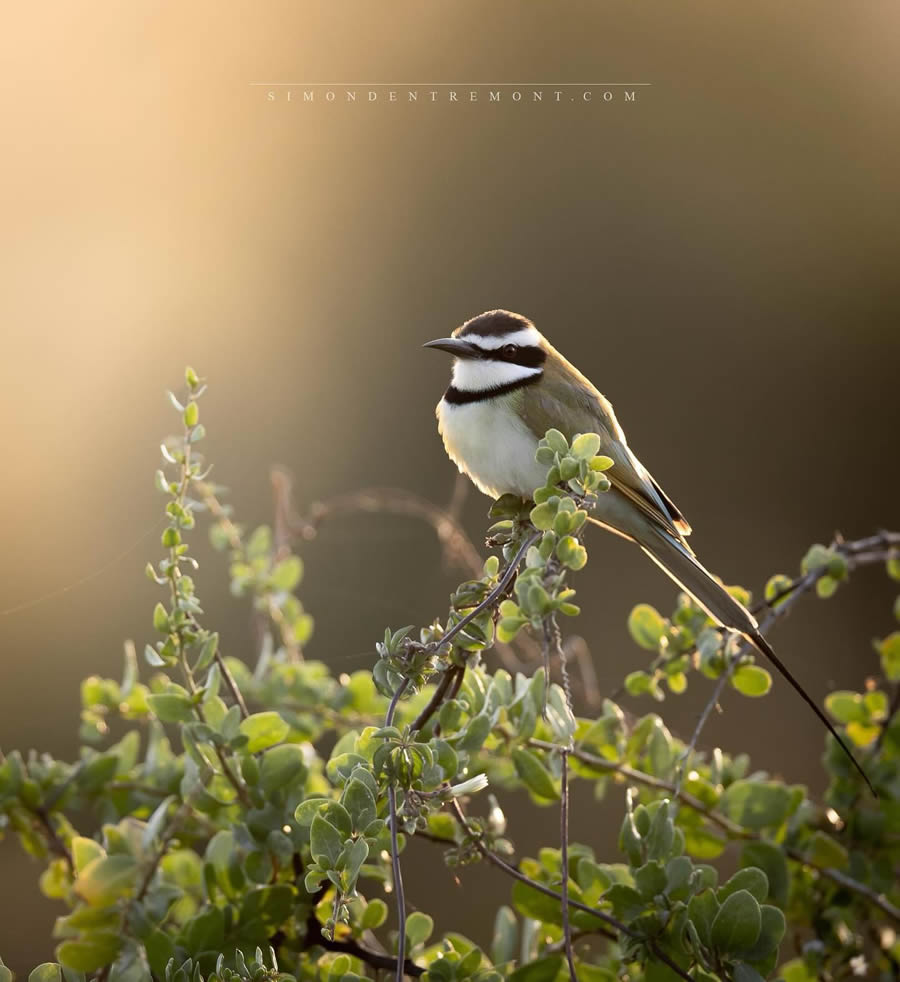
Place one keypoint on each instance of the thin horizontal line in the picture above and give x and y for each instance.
(436, 85)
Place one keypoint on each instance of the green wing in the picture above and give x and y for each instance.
(573, 405)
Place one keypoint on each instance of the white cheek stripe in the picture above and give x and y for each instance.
(526, 336)
(475, 376)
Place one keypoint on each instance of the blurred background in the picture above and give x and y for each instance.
(719, 256)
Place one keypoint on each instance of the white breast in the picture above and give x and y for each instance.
(488, 441)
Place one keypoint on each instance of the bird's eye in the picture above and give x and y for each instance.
(509, 350)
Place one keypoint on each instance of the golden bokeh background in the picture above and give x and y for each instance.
(719, 256)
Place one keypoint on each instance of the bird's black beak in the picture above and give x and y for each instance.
(456, 346)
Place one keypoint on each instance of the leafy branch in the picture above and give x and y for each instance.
(247, 818)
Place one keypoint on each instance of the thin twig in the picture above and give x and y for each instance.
(457, 548)
(437, 697)
(494, 595)
(552, 635)
(704, 715)
(54, 842)
(564, 862)
(395, 846)
(232, 685)
(166, 837)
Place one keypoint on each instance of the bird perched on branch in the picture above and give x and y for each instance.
(509, 387)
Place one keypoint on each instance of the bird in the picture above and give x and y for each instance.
(509, 386)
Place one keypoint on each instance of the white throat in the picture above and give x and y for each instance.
(475, 375)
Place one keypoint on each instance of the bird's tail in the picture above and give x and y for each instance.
(679, 563)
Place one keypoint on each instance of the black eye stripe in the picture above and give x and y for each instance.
(529, 356)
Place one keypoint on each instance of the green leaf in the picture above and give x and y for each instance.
(374, 915)
(283, 767)
(771, 860)
(307, 810)
(542, 516)
(84, 851)
(826, 586)
(703, 909)
(534, 774)
(355, 857)
(287, 574)
(846, 707)
(556, 441)
(205, 932)
(506, 936)
(105, 879)
(46, 972)
(270, 905)
(751, 680)
(823, 850)
(863, 734)
(889, 649)
(747, 973)
(638, 683)
(160, 619)
(751, 878)
(756, 804)
(171, 707)
(738, 922)
(586, 446)
(651, 879)
(207, 652)
(796, 971)
(772, 929)
(475, 733)
(544, 969)
(777, 586)
(360, 803)
(533, 903)
(418, 928)
(626, 902)
(89, 953)
(646, 626)
(263, 730)
(325, 842)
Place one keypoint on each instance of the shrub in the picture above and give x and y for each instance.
(230, 844)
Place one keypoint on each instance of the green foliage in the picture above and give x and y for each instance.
(242, 817)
